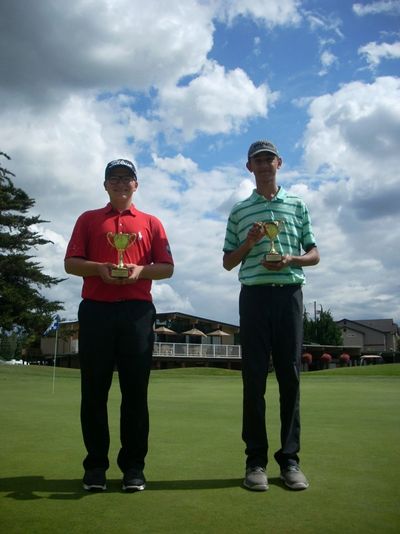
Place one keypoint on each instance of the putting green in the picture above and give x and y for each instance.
(350, 437)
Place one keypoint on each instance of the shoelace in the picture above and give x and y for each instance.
(292, 468)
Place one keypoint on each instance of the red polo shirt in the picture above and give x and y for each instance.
(89, 241)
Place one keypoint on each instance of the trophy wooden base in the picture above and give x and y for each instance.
(273, 257)
(121, 272)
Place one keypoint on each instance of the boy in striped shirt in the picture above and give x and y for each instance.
(271, 310)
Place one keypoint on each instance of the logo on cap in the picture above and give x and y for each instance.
(120, 163)
(262, 146)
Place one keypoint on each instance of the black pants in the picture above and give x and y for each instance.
(271, 322)
(115, 334)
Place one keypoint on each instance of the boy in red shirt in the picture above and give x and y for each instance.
(116, 318)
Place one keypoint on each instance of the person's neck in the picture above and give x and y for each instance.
(121, 205)
(268, 191)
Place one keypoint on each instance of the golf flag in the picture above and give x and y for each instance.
(54, 326)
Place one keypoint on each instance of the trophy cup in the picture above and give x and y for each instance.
(121, 242)
(271, 230)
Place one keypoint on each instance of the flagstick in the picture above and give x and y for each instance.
(55, 358)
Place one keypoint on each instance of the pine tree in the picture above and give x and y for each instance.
(21, 304)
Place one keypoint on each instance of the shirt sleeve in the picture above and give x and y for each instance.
(231, 236)
(308, 238)
(160, 249)
(77, 246)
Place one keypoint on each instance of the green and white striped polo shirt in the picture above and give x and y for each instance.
(295, 235)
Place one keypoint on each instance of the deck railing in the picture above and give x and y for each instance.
(194, 350)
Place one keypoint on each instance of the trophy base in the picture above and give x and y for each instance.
(121, 272)
(273, 257)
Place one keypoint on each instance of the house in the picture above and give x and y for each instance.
(373, 335)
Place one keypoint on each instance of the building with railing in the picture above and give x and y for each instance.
(187, 340)
(180, 340)
(173, 354)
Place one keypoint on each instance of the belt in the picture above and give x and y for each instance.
(271, 285)
(283, 285)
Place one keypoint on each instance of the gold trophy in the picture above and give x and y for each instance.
(271, 230)
(121, 242)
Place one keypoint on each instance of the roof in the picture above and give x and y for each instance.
(179, 315)
(380, 325)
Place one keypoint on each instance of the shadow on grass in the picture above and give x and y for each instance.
(207, 484)
(37, 487)
(28, 488)
(199, 484)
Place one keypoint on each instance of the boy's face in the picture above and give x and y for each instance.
(264, 165)
(120, 184)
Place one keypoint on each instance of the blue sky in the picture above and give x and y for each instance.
(182, 89)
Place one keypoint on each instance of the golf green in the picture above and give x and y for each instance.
(195, 465)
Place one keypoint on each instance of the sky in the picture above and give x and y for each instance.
(182, 88)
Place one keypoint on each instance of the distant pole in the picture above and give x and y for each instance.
(315, 310)
(55, 359)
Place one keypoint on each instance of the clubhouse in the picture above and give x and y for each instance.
(184, 340)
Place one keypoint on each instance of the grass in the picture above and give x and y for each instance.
(350, 438)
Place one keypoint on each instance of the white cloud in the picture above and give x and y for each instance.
(327, 60)
(328, 28)
(375, 53)
(352, 130)
(177, 165)
(271, 13)
(217, 101)
(51, 253)
(167, 299)
(385, 7)
(49, 48)
(351, 140)
(326, 23)
(59, 154)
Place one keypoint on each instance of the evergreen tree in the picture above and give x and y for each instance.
(21, 304)
(7, 346)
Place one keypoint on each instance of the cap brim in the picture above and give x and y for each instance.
(263, 150)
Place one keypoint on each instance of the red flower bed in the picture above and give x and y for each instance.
(307, 357)
(326, 357)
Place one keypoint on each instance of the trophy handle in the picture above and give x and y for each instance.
(132, 239)
(109, 236)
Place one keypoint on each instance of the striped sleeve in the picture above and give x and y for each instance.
(231, 240)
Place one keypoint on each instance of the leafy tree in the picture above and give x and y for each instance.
(22, 307)
(308, 329)
(323, 330)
